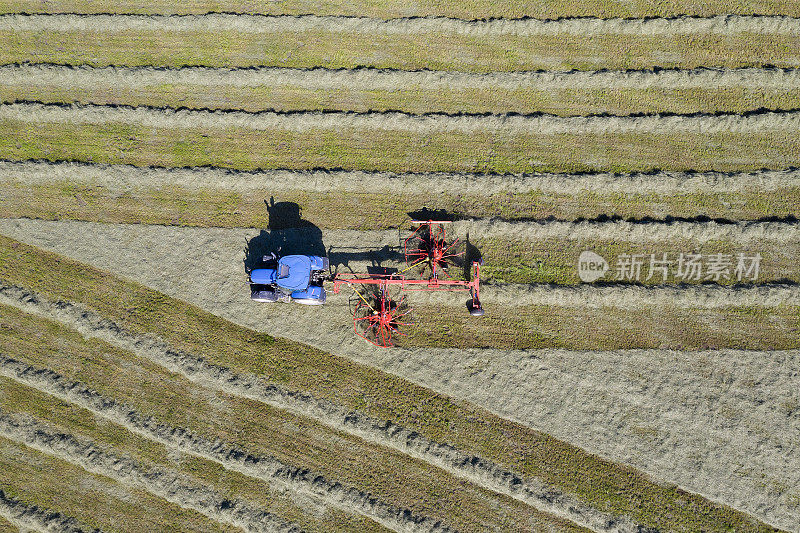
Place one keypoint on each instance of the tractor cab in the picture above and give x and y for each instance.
(296, 278)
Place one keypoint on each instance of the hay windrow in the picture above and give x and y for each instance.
(255, 24)
(305, 122)
(628, 297)
(124, 177)
(162, 483)
(264, 468)
(624, 231)
(30, 517)
(477, 470)
(396, 8)
(371, 79)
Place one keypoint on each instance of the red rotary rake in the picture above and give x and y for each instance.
(378, 313)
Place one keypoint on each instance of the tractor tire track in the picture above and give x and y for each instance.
(305, 122)
(371, 79)
(30, 517)
(263, 468)
(479, 471)
(123, 177)
(162, 483)
(527, 27)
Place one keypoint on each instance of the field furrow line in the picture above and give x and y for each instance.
(526, 27)
(371, 79)
(32, 518)
(263, 468)
(122, 177)
(305, 122)
(162, 483)
(479, 471)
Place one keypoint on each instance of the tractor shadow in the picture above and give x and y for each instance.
(341, 260)
(287, 233)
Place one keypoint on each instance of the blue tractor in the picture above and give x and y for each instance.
(291, 278)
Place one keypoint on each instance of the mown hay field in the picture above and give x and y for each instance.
(150, 151)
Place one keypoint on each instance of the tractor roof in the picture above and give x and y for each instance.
(294, 272)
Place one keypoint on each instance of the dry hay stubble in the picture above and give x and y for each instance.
(395, 8)
(159, 482)
(525, 27)
(358, 200)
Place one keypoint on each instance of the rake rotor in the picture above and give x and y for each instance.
(429, 251)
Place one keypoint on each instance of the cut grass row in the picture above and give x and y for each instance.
(42, 480)
(370, 201)
(63, 416)
(556, 260)
(364, 149)
(406, 52)
(470, 9)
(609, 487)
(214, 206)
(263, 431)
(410, 92)
(747, 328)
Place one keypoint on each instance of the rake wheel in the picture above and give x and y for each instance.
(378, 318)
(429, 252)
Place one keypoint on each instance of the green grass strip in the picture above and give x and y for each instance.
(398, 151)
(467, 9)
(218, 207)
(465, 53)
(418, 100)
